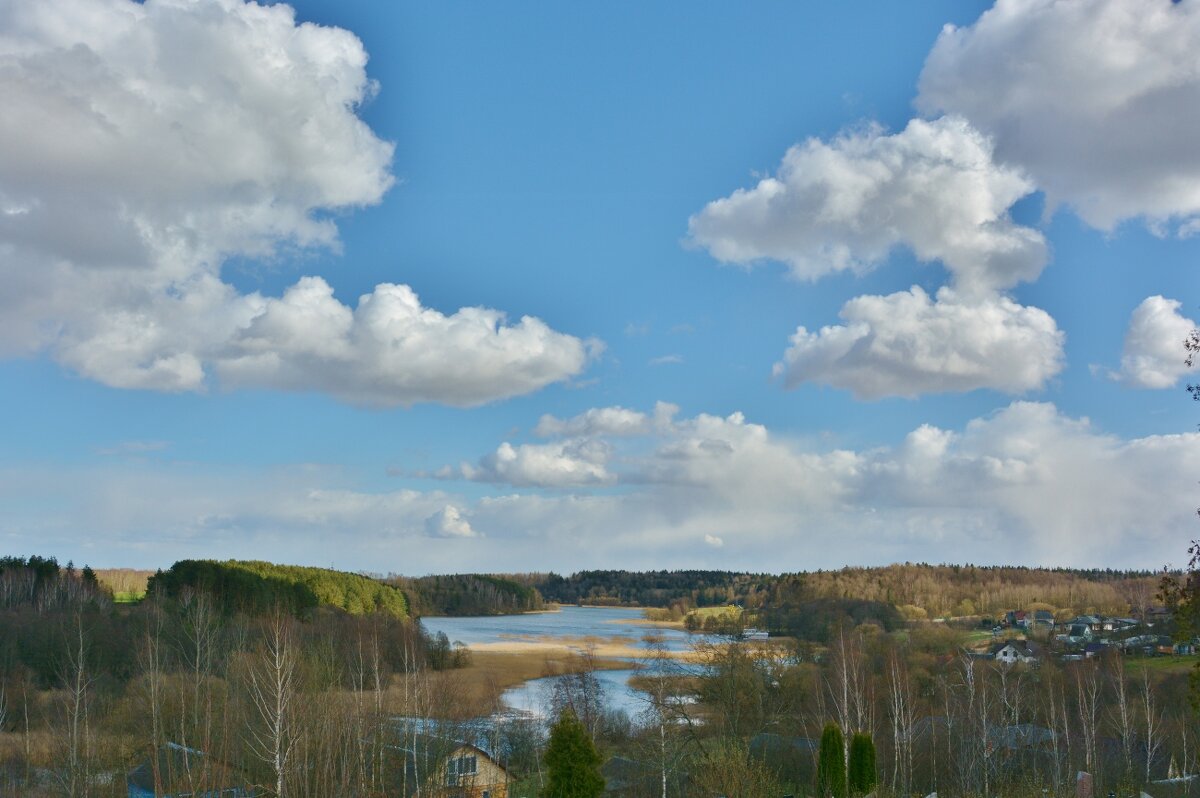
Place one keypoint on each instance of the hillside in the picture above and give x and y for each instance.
(254, 586)
(694, 588)
(917, 589)
(468, 594)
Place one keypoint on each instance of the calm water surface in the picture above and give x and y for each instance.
(533, 697)
(606, 622)
(571, 622)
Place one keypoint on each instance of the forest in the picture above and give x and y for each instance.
(467, 594)
(295, 681)
(255, 587)
(918, 590)
(941, 720)
(284, 676)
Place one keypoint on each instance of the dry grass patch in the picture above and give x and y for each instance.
(476, 689)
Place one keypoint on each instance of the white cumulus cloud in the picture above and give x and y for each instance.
(907, 344)
(142, 145)
(1026, 484)
(595, 421)
(933, 188)
(449, 522)
(1098, 99)
(392, 350)
(1154, 356)
(563, 464)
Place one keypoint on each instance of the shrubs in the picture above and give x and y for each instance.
(834, 778)
(862, 773)
(831, 763)
(572, 762)
(818, 619)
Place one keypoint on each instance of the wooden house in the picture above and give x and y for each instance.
(181, 772)
(447, 768)
(1011, 652)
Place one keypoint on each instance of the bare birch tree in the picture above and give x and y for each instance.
(78, 683)
(273, 690)
(1153, 723)
(664, 712)
(1122, 712)
(902, 712)
(152, 666)
(1087, 685)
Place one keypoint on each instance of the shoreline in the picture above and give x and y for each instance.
(647, 622)
(599, 649)
(462, 693)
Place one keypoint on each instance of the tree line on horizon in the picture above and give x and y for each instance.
(917, 591)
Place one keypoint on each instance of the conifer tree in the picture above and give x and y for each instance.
(831, 764)
(862, 773)
(572, 761)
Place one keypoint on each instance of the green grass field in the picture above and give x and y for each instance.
(1180, 664)
(717, 612)
(128, 596)
(978, 635)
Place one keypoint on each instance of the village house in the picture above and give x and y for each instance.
(1017, 618)
(444, 767)
(1011, 652)
(1043, 618)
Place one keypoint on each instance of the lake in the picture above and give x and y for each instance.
(571, 626)
(567, 625)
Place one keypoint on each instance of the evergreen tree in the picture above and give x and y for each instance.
(831, 764)
(572, 761)
(862, 773)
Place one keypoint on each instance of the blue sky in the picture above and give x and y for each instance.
(196, 193)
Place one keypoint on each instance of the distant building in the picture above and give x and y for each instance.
(447, 759)
(1019, 737)
(182, 772)
(451, 769)
(1018, 618)
(1011, 652)
(788, 758)
(631, 778)
(1157, 614)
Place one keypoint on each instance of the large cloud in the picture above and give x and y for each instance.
(1154, 353)
(392, 350)
(143, 145)
(1098, 99)
(1024, 485)
(1043, 485)
(935, 189)
(906, 344)
(932, 188)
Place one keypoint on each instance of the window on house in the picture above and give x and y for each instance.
(459, 766)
